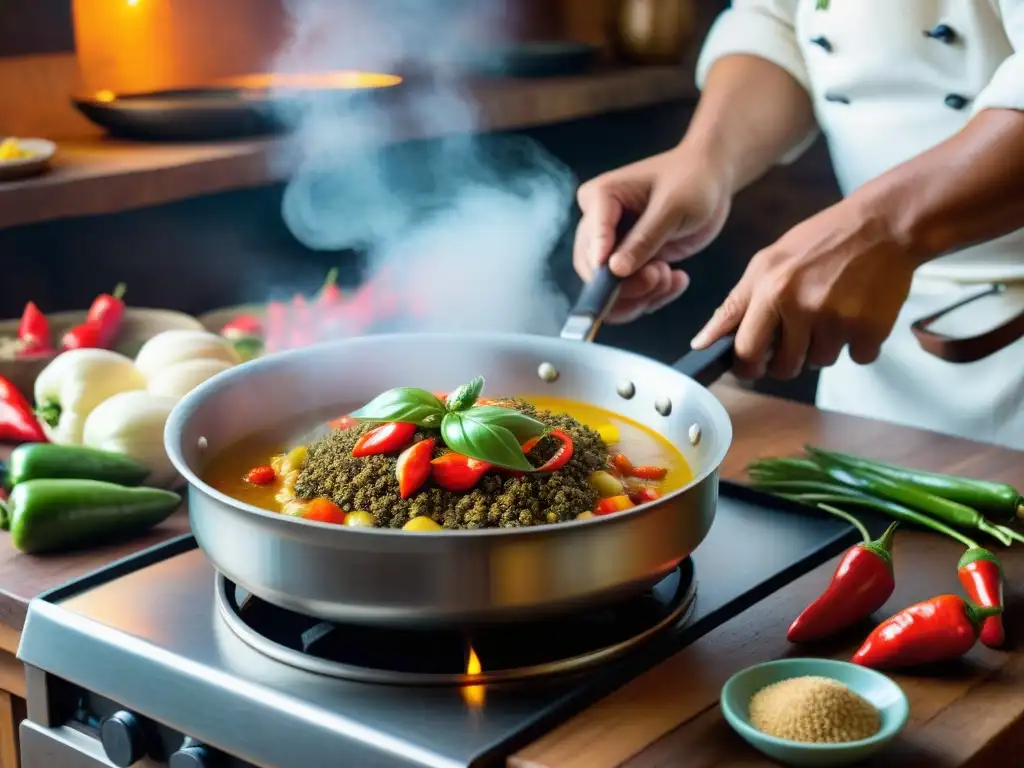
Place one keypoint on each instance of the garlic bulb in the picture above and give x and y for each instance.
(132, 423)
(179, 346)
(180, 379)
(74, 383)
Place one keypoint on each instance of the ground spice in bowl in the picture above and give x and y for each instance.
(813, 709)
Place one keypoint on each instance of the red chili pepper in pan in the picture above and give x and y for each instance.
(342, 422)
(982, 579)
(939, 629)
(561, 456)
(455, 472)
(34, 331)
(18, 424)
(386, 438)
(324, 511)
(649, 473)
(861, 584)
(642, 494)
(264, 475)
(106, 312)
(413, 467)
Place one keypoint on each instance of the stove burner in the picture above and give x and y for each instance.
(439, 657)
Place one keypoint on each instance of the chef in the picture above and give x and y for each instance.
(922, 105)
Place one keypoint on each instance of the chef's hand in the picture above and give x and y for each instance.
(838, 278)
(681, 203)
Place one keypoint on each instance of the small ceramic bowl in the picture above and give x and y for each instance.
(41, 153)
(884, 694)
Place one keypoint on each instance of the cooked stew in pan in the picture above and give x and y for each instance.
(424, 461)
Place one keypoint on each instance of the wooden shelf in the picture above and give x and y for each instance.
(102, 176)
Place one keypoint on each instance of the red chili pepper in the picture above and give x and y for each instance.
(84, 336)
(277, 327)
(324, 511)
(649, 473)
(243, 327)
(942, 628)
(342, 422)
(610, 504)
(106, 312)
(330, 293)
(455, 472)
(623, 464)
(861, 584)
(562, 455)
(18, 424)
(982, 579)
(643, 494)
(34, 331)
(413, 467)
(261, 475)
(387, 438)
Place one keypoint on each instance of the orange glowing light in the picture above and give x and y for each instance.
(105, 96)
(340, 80)
(473, 695)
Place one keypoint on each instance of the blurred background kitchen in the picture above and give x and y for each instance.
(212, 154)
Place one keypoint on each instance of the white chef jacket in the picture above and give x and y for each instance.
(889, 79)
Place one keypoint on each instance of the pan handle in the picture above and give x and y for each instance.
(598, 295)
(706, 366)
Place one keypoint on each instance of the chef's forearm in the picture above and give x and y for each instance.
(964, 191)
(750, 114)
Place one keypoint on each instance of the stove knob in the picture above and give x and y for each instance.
(192, 755)
(123, 739)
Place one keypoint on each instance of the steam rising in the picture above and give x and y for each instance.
(465, 223)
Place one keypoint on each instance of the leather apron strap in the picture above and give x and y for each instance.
(968, 349)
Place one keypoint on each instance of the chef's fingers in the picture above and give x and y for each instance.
(679, 281)
(645, 282)
(726, 318)
(651, 231)
(790, 353)
(595, 235)
(755, 339)
(827, 342)
(865, 348)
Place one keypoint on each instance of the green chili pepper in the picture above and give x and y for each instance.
(999, 500)
(35, 461)
(950, 512)
(53, 514)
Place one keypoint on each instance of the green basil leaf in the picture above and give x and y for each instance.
(409, 404)
(493, 443)
(518, 423)
(465, 396)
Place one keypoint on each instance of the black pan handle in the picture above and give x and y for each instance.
(706, 366)
(598, 295)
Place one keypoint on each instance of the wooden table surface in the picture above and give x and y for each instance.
(968, 713)
(105, 176)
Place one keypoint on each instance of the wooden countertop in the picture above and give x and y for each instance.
(106, 176)
(966, 714)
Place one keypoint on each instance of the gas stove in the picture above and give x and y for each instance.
(158, 660)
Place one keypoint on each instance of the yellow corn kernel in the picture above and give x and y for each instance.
(360, 519)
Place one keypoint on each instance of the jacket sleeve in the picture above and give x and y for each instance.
(1006, 88)
(762, 28)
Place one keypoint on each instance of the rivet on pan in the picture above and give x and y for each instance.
(694, 434)
(547, 372)
(663, 406)
(203, 445)
(626, 389)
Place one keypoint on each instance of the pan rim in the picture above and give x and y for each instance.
(173, 432)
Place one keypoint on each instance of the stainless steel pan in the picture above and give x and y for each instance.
(395, 578)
